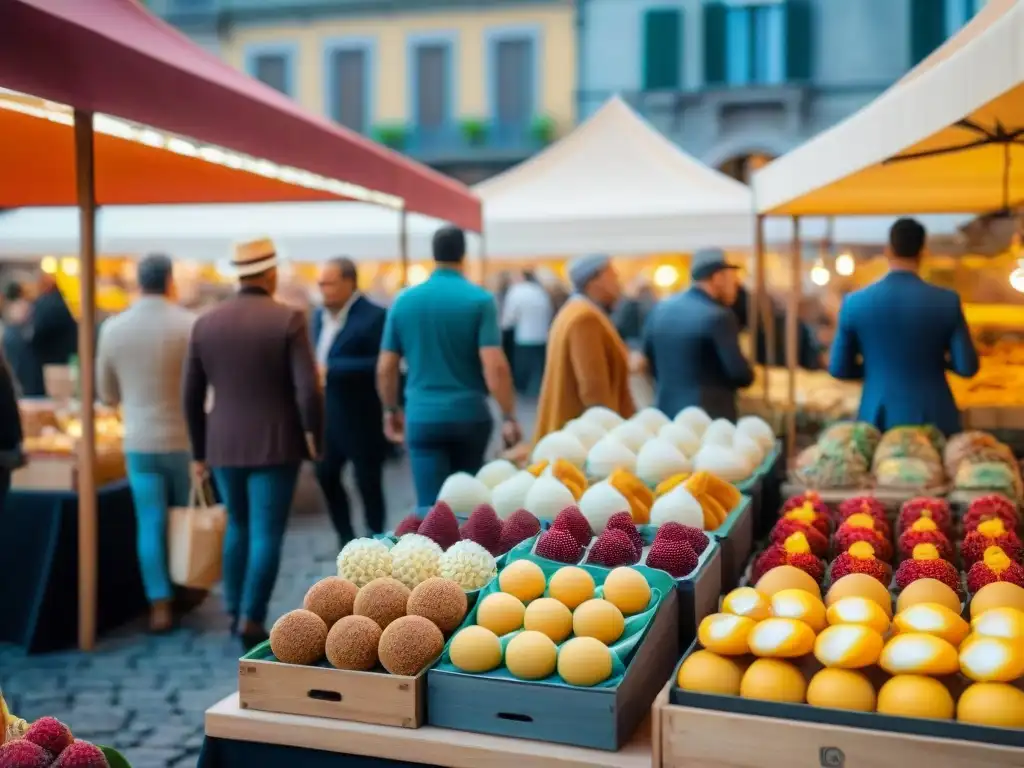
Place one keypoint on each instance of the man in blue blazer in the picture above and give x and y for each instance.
(347, 332)
(900, 335)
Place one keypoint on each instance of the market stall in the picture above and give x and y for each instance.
(79, 155)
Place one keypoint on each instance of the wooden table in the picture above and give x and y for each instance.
(427, 745)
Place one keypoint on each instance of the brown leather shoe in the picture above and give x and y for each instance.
(161, 618)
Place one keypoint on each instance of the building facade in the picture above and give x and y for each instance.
(737, 83)
(467, 86)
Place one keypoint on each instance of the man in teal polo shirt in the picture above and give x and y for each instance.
(447, 330)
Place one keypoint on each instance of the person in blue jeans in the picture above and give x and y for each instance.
(447, 331)
(139, 362)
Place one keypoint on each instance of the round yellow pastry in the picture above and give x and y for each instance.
(860, 585)
(848, 646)
(915, 696)
(800, 605)
(995, 704)
(786, 577)
(841, 689)
(584, 661)
(932, 619)
(992, 659)
(747, 601)
(858, 610)
(626, 589)
(599, 619)
(1007, 623)
(927, 591)
(725, 634)
(781, 638)
(501, 613)
(571, 586)
(549, 616)
(523, 579)
(531, 656)
(707, 672)
(916, 653)
(998, 594)
(475, 650)
(774, 680)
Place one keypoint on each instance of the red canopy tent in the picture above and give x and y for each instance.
(245, 143)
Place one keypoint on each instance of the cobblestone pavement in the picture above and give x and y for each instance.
(146, 695)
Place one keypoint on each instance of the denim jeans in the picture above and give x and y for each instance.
(258, 500)
(158, 481)
(439, 449)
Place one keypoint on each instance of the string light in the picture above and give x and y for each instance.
(112, 126)
(69, 266)
(1017, 277)
(845, 265)
(820, 275)
(665, 276)
(49, 265)
(417, 274)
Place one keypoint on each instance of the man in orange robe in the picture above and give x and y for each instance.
(587, 362)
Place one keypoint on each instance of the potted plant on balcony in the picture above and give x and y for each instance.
(542, 129)
(474, 131)
(391, 135)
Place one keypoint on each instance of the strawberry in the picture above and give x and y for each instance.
(695, 537)
(559, 546)
(613, 548)
(572, 520)
(623, 521)
(409, 524)
(519, 527)
(440, 525)
(676, 557)
(483, 527)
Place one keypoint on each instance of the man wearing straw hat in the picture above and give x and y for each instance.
(265, 420)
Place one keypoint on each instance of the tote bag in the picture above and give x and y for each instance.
(195, 541)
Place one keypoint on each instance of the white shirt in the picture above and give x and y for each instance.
(528, 310)
(331, 324)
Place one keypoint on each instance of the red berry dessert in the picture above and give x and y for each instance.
(695, 537)
(409, 524)
(560, 546)
(809, 514)
(926, 563)
(864, 505)
(623, 521)
(989, 533)
(995, 565)
(50, 734)
(612, 549)
(862, 526)
(483, 527)
(991, 507)
(440, 525)
(572, 520)
(925, 530)
(785, 527)
(675, 557)
(924, 506)
(859, 558)
(520, 526)
(795, 551)
(81, 754)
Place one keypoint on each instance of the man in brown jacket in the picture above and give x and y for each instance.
(266, 418)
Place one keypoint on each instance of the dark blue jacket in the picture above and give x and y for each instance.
(22, 360)
(692, 345)
(353, 413)
(900, 335)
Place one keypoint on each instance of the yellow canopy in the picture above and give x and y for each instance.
(947, 138)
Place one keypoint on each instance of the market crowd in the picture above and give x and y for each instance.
(247, 391)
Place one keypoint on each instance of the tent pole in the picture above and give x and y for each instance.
(792, 337)
(403, 245)
(757, 298)
(87, 514)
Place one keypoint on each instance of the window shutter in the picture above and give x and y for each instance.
(799, 40)
(714, 43)
(663, 48)
(927, 28)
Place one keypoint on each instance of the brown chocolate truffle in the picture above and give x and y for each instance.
(409, 644)
(352, 643)
(440, 600)
(298, 637)
(331, 599)
(382, 600)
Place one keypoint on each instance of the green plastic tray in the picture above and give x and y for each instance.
(622, 650)
(751, 483)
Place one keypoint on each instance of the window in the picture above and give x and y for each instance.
(273, 69)
(513, 83)
(349, 82)
(433, 76)
(755, 37)
(663, 35)
(959, 12)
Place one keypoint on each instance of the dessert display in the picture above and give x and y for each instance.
(49, 743)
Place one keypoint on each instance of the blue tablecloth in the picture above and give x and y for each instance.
(39, 558)
(227, 753)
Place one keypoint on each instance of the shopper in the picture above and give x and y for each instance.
(528, 310)
(587, 363)
(446, 329)
(265, 419)
(17, 343)
(901, 335)
(346, 334)
(11, 454)
(691, 342)
(140, 361)
(54, 329)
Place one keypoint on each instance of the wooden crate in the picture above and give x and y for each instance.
(686, 737)
(365, 697)
(598, 718)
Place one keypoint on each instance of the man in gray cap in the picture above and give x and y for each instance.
(587, 361)
(691, 341)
